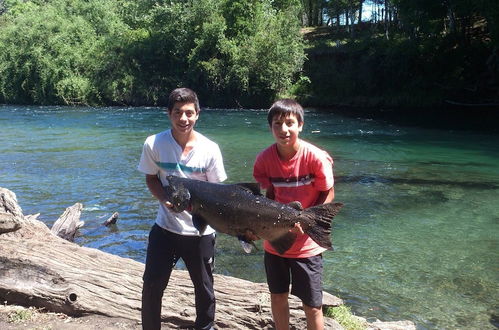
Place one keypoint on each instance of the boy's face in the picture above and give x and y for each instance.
(183, 117)
(286, 129)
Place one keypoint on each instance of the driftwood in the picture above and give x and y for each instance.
(112, 219)
(68, 223)
(40, 269)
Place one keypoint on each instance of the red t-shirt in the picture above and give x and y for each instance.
(301, 178)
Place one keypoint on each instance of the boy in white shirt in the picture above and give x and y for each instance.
(183, 152)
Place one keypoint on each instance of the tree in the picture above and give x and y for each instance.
(129, 52)
(50, 52)
(225, 52)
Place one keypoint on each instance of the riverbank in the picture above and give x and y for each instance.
(449, 117)
(44, 270)
(366, 69)
(14, 317)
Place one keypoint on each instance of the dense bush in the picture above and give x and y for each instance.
(52, 52)
(247, 52)
(127, 52)
(396, 73)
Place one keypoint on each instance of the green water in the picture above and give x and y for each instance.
(417, 238)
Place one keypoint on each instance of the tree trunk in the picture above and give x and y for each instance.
(361, 3)
(309, 9)
(387, 20)
(40, 269)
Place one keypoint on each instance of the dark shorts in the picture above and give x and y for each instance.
(304, 275)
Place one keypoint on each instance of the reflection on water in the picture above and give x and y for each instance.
(417, 238)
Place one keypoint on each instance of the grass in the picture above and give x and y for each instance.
(21, 315)
(343, 315)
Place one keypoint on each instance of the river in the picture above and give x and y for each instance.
(416, 240)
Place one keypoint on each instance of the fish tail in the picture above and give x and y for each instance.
(319, 219)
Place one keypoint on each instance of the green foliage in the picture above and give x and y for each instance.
(373, 71)
(229, 57)
(258, 64)
(51, 52)
(422, 54)
(74, 89)
(343, 315)
(129, 52)
(490, 10)
(245, 52)
(21, 315)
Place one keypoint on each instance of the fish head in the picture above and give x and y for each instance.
(181, 199)
(179, 196)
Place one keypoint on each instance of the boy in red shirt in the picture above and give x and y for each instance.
(294, 170)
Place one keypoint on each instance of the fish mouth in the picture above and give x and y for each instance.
(178, 196)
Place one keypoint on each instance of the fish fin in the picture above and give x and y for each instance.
(284, 242)
(253, 187)
(319, 219)
(246, 245)
(199, 223)
(296, 205)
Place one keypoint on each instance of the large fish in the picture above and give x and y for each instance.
(235, 209)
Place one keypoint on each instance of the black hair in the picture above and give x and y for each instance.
(285, 107)
(184, 95)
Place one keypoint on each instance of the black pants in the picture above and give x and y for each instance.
(163, 251)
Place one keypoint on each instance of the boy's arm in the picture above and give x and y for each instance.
(156, 189)
(270, 192)
(325, 197)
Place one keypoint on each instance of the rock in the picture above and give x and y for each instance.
(394, 325)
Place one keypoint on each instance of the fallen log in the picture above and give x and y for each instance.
(40, 269)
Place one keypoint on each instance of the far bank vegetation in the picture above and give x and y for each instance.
(240, 53)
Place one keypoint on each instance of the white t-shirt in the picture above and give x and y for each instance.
(162, 156)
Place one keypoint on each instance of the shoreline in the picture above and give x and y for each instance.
(442, 116)
(44, 270)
